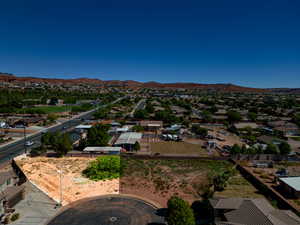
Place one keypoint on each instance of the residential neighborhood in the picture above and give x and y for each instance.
(149, 112)
(255, 138)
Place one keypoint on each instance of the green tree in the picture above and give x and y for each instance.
(98, 136)
(62, 144)
(285, 148)
(82, 144)
(219, 182)
(140, 114)
(296, 119)
(207, 116)
(199, 130)
(236, 149)
(53, 101)
(101, 113)
(179, 212)
(252, 116)
(136, 146)
(137, 128)
(38, 151)
(149, 108)
(220, 179)
(271, 149)
(234, 116)
(45, 139)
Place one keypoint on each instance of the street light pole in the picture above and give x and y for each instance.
(24, 127)
(60, 187)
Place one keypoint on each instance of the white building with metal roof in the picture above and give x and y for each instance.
(128, 139)
(103, 150)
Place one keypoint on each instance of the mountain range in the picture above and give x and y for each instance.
(10, 78)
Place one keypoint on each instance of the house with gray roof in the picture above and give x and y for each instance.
(10, 191)
(290, 185)
(127, 140)
(243, 211)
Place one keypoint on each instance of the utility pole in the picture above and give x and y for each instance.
(25, 146)
(60, 187)
(24, 129)
(60, 184)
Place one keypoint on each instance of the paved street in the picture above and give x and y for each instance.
(140, 105)
(9, 151)
(117, 210)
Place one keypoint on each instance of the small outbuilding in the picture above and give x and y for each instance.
(291, 185)
(103, 150)
(151, 125)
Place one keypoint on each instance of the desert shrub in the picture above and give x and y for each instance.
(103, 168)
(264, 176)
(297, 202)
(15, 217)
(256, 171)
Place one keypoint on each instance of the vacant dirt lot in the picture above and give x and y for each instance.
(158, 180)
(182, 148)
(44, 172)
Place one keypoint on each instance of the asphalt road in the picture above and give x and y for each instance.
(115, 210)
(17, 148)
(140, 105)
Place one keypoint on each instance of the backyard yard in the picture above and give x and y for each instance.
(182, 148)
(158, 180)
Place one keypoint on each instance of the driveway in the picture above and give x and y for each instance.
(36, 208)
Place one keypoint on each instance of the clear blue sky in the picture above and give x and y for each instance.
(246, 42)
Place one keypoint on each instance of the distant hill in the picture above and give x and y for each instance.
(6, 77)
(285, 90)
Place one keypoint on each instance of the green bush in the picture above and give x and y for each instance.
(15, 217)
(38, 151)
(103, 168)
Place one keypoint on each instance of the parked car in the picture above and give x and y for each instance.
(227, 147)
(220, 139)
(29, 143)
(210, 136)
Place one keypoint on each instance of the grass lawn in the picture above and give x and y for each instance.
(238, 186)
(54, 109)
(177, 148)
(296, 138)
(46, 109)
